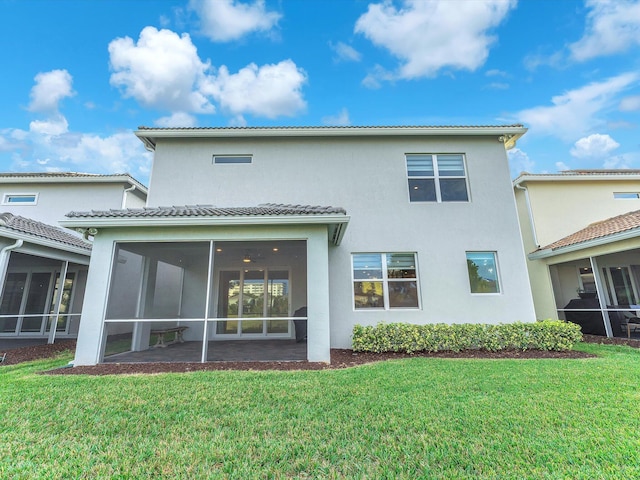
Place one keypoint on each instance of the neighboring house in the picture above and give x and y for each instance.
(35, 253)
(581, 229)
(328, 226)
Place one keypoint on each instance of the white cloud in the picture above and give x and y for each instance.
(341, 119)
(267, 91)
(618, 161)
(630, 104)
(162, 70)
(345, 53)
(613, 26)
(576, 112)
(56, 125)
(177, 119)
(429, 36)
(519, 162)
(594, 146)
(496, 73)
(560, 166)
(50, 88)
(226, 20)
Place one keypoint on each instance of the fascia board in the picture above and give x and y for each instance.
(115, 179)
(573, 178)
(44, 242)
(511, 133)
(616, 237)
(203, 221)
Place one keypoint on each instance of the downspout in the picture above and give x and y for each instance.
(530, 213)
(124, 195)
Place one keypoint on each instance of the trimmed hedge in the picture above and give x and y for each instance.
(410, 338)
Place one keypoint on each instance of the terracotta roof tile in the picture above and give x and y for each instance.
(604, 228)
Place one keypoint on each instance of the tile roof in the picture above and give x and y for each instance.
(601, 229)
(266, 209)
(57, 177)
(40, 230)
(335, 127)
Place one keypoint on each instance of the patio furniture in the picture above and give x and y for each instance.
(300, 325)
(4, 355)
(623, 321)
(161, 332)
(589, 319)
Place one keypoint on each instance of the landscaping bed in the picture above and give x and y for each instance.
(340, 358)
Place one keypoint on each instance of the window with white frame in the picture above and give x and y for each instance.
(626, 195)
(437, 177)
(20, 199)
(222, 159)
(385, 281)
(483, 272)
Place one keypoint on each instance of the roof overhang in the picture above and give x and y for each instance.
(596, 242)
(26, 179)
(337, 223)
(541, 178)
(44, 242)
(507, 134)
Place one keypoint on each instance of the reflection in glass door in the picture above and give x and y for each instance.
(260, 294)
(620, 287)
(12, 301)
(37, 296)
(65, 304)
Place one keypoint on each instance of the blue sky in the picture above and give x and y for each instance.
(80, 76)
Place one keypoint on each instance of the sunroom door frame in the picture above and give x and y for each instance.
(239, 334)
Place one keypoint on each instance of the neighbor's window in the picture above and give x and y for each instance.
(20, 199)
(232, 158)
(385, 281)
(483, 272)
(437, 178)
(626, 195)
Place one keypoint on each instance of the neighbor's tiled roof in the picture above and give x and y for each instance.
(335, 127)
(57, 177)
(41, 230)
(266, 209)
(604, 228)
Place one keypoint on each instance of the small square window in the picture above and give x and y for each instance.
(20, 199)
(483, 272)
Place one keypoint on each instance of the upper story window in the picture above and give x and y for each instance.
(626, 195)
(20, 199)
(232, 158)
(385, 281)
(437, 178)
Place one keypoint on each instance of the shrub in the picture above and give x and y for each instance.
(410, 338)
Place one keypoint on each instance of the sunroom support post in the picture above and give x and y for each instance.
(92, 332)
(601, 297)
(318, 328)
(56, 314)
(207, 305)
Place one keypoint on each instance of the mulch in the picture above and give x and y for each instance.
(340, 358)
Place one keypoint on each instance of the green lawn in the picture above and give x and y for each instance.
(417, 418)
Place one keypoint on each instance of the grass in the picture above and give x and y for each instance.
(416, 418)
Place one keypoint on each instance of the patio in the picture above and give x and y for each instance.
(225, 350)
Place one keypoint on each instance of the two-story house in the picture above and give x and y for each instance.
(35, 253)
(581, 230)
(264, 235)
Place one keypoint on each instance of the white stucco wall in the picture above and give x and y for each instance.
(561, 208)
(57, 199)
(367, 176)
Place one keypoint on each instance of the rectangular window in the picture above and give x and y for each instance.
(384, 281)
(483, 272)
(232, 158)
(626, 195)
(20, 199)
(437, 178)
